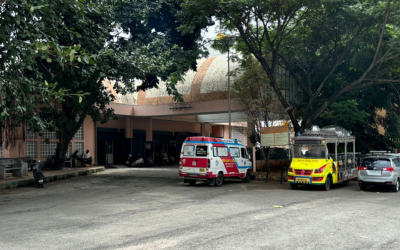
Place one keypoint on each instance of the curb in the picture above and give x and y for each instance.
(30, 182)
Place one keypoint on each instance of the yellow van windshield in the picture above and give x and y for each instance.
(309, 151)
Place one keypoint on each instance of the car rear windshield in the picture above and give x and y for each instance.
(371, 163)
(201, 151)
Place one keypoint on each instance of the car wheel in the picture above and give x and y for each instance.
(192, 182)
(219, 180)
(363, 187)
(247, 177)
(327, 185)
(293, 186)
(397, 186)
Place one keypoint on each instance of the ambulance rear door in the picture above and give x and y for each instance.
(194, 158)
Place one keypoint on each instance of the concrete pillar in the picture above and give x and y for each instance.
(128, 127)
(207, 129)
(149, 128)
(202, 129)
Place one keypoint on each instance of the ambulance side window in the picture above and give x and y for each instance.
(235, 152)
(220, 151)
(244, 153)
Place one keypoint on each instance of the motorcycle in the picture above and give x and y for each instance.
(149, 162)
(139, 162)
(38, 175)
(171, 159)
(165, 160)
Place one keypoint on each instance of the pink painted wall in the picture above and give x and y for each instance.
(171, 126)
(217, 130)
(89, 134)
(88, 143)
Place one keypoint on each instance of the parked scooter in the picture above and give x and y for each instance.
(38, 175)
(139, 162)
(149, 162)
(165, 160)
(171, 159)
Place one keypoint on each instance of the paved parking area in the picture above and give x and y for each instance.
(151, 208)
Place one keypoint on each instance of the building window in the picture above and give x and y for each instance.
(288, 85)
(79, 134)
(49, 135)
(79, 147)
(47, 149)
(238, 133)
(31, 149)
(68, 153)
(30, 134)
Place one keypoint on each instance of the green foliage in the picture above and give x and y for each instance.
(68, 48)
(344, 112)
(332, 48)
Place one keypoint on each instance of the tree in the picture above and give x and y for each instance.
(312, 40)
(254, 93)
(140, 41)
(23, 44)
(122, 41)
(368, 114)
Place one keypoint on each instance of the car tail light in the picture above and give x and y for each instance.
(180, 162)
(320, 170)
(290, 169)
(290, 177)
(362, 168)
(387, 169)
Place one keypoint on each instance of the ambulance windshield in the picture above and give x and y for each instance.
(309, 151)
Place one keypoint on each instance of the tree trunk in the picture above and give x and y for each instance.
(62, 148)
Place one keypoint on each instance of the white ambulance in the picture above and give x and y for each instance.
(213, 160)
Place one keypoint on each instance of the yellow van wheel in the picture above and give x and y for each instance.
(327, 185)
(293, 186)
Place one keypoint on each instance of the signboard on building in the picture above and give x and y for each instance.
(275, 136)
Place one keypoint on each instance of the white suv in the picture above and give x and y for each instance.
(381, 170)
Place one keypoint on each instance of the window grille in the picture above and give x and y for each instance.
(238, 133)
(289, 87)
(49, 135)
(79, 134)
(47, 149)
(31, 149)
(79, 147)
(30, 134)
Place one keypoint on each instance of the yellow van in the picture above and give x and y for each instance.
(322, 156)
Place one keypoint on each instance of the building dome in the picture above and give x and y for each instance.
(209, 82)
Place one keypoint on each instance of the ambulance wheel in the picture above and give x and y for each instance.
(219, 180)
(192, 182)
(293, 185)
(327, 185)
(247, 177)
